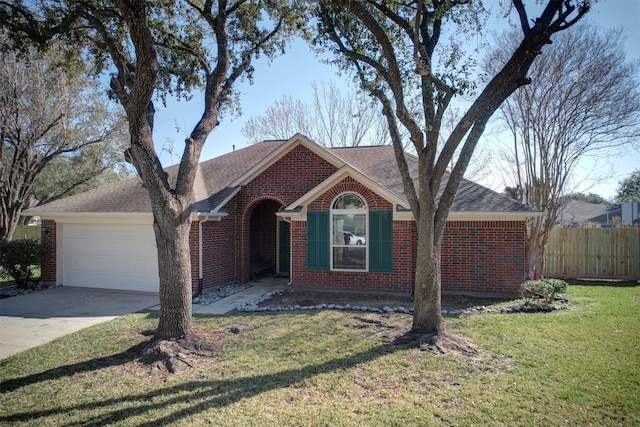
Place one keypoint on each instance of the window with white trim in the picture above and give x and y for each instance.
(349, 219)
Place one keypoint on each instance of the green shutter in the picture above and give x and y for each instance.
(380, 241)
(317, 240)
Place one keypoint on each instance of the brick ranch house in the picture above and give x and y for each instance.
(333, 219)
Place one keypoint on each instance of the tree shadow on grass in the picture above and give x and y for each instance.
(204, 395)
(122, 358)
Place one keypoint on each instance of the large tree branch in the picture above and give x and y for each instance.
(121, 82)
(395, 80)
(75, 184)
(142, 150)
(510, 77)
(407, 179)
(397, 19)
(180, 45)
(21, 20)
(135, 14)
(522, 15)
(247, 56)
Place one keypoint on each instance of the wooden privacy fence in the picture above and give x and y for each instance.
(603, 253)
(27, 232)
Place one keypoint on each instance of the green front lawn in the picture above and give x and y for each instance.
(574, 367)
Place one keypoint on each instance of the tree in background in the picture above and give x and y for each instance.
(480, 164)
(283, 119)
(396, 52)
(585, 197)
(584, 100)
(150, 50)
(332, 119)
(60, 134)
(75, 173)
(629, 188)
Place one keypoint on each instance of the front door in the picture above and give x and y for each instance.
(284, 248)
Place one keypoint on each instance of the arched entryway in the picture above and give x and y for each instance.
(269, 240)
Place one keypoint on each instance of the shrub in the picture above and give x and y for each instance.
(547, 289)
(18, 258)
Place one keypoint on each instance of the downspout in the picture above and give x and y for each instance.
(290, 251)
(200, 278)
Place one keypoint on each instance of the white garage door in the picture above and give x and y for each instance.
(110, 256)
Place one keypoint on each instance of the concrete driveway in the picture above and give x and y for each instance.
(31, 320)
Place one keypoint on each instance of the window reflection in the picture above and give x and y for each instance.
(349, 232)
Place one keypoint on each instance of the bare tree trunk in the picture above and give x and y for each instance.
(174, 266)
(8, 223)
(551, 213)
(539, 261)
(13, 200)
(536, 244)
(531, 249)
(427, 317)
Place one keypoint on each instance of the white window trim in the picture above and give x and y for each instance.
(364, 212)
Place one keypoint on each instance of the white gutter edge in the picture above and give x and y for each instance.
(208, 216)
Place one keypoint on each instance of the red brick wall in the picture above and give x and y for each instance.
(400, 281)
(227, 243)
(288, 179)
(374, 202)
(478, 258)
(48, 264)
(193, 248)
(483, 257)
(262, 233)
(219, 247)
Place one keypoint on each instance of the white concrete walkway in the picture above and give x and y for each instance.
(225, 305)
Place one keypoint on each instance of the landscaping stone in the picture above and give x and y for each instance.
(471, 311)
(14, 291)
(210, 296)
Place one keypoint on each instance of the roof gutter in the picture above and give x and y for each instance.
(208, 216)
(89, 217)
(492, 216)
(200, 276)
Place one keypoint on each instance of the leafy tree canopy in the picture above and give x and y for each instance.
(60, 134)
(152, 50)
(629, 188)
(586, 197)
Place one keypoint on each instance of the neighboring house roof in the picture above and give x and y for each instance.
(220, 178)
(575, 212)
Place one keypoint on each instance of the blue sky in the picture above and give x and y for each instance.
(293, 74)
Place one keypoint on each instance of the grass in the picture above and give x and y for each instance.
(574, 367)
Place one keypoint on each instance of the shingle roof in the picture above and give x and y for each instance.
(211, 186)
(215, 176)
(379, 164)
(577, 211)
